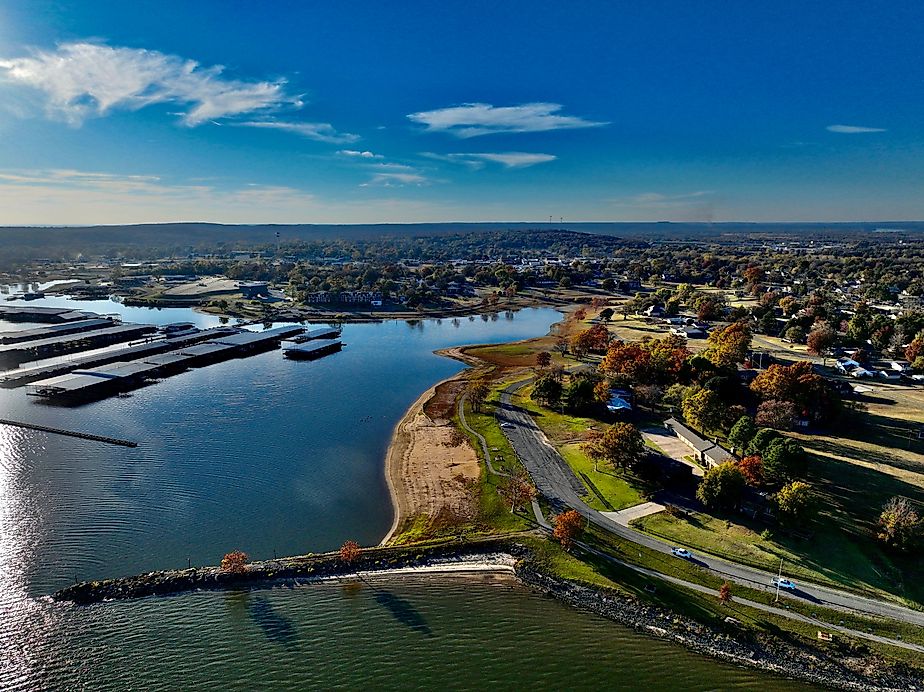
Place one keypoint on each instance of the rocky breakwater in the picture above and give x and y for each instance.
(302, 567)
(837, 666)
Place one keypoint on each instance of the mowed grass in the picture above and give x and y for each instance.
(617, 492)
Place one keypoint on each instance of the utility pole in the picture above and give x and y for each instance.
(780, 576)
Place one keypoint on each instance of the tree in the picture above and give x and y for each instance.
(821, 338)
(580, 394)
(620, 446)
(784, 461)
(795, 502)
(729, 346)
(795, 334)
(725, 593)
(752, 468)
(350, 552)
(568, 526)
(721, 487)
(517, 489)
(900, 524)
(606, 314)
(776, 414)
(561, 345)
(703, 409)
(580, 314)
(235, 562)
(477, 392)
(543, 359)
(761, 441)
(742, 432)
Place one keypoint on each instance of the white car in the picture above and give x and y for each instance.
(681, 552)
(506, 425)
(783, 584)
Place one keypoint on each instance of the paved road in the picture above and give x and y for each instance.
(556, 481)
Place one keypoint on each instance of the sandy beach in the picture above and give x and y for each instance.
(424, 458)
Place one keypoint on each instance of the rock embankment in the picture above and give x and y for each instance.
(838, 666)
(308, 567)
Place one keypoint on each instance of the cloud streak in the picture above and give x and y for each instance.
(477, 119)
(510, 159)
(81, 79)
(319, 132)
(853, 129)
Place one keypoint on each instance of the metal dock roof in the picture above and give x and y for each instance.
(316, 345)
(321, 333)
(53, 330)
(23, 312)
(98, 334)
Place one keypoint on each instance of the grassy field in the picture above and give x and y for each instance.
(606, 490)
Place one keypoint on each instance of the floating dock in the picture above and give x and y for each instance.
(22, 376)
(13, 355)
(100, 382)
(25, 313)
(312, 349)
(54, 330)
(320, 333)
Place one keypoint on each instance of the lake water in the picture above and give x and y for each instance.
(273, 457)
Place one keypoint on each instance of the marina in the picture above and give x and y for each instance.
(13, 355)
(84, 385)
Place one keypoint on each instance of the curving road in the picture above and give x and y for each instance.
(557, 482)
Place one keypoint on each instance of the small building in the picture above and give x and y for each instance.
(706, 452)
(655, 311)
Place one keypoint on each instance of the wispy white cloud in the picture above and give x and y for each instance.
(82, 79)
(395, 175)
(396, 180)
(475, 119)
(477, 161)
(319, 132)
(353, 153)
(853, 129)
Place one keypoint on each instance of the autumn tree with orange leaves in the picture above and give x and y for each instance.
(235, 562)
(350, 552)
(725, 593)
(568, 526)
(729, 346)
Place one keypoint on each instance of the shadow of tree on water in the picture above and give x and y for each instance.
(276, 627)
(403, 611)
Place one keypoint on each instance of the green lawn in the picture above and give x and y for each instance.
(614, 488)
(828, 556)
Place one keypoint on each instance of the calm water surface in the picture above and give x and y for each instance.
(274, 457)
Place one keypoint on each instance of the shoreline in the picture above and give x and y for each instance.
(394, 457)
(841, 665)
(402, 438)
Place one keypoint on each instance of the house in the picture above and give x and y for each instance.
(703, 451)
(655, 311)
(689, 332)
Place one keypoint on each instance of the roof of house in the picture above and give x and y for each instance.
(682, 431)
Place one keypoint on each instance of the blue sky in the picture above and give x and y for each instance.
(119, 112)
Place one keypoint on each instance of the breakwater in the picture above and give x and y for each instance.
(69, 433)
(840, 664)
(308, 567)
